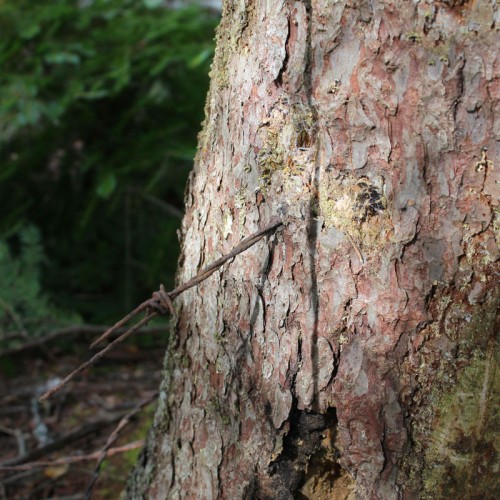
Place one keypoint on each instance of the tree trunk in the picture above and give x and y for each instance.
(351, 354)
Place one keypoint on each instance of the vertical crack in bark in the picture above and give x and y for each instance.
(312, 224)
(260, 286)
(284, 66)
(459, 73)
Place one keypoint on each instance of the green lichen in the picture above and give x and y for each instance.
(270, 159)
(357, 207)
(462, 443)
(414, 37)
(287, 138)
(213, 405)
(220, 336)
(454, 433)
(240, 203)
(235, 19)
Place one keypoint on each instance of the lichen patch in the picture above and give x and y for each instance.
(357, 207)
(287, 138)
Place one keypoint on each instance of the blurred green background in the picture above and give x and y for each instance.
(100, 105)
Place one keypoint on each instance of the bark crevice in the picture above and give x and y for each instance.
(307, 460)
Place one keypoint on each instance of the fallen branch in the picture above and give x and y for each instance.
(66, 332)
(62, 441)
(18, 435)
(113, 437)
(72, 459)
(161, 303)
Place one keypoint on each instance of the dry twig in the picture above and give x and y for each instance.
(113, 437)
(72, 459)
(62, 441)
(64, 332)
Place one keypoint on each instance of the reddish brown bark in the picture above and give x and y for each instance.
(352, 352)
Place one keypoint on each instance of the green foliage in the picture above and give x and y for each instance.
(24, 308)
(100, 103)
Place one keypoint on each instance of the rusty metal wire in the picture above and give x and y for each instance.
(161, 303)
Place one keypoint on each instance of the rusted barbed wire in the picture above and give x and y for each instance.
(161, 303)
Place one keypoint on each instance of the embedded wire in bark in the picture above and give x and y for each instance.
(161, 303)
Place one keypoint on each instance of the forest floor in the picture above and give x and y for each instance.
(50, 450)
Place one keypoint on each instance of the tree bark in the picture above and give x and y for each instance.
(352, 353)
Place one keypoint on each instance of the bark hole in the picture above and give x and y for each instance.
(307, 465)
(324, 477)
(369, 200)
